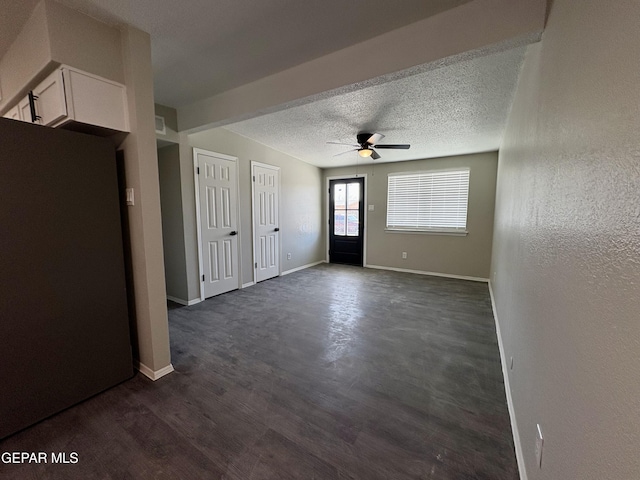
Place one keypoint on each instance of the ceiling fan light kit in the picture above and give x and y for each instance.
(366, 142)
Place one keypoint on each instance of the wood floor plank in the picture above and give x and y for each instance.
(331, 372)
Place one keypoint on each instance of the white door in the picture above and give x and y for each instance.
(49, 99)
(266, 240)
(217, 201)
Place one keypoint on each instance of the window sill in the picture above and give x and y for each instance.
(459, 233)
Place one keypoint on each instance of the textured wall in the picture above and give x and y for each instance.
(468, 256)
(566, 251)
(300, 201)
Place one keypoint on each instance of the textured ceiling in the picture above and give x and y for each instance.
(457, 109)
(204, 47)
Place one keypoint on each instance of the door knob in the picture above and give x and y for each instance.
(233, 233)
(276, 229)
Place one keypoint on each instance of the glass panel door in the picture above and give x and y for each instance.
(346, 198)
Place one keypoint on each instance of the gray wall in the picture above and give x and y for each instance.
(566, 254)
(468, 256)
(300, 202)
(172, 224)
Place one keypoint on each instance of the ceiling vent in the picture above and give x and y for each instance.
(161, 128)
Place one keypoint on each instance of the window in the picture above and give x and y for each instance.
(433, 201)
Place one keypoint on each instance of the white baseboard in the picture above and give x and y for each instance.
(434, 274)
(186, 303)
(153, 375)
(248, 284)
(308, 265)
(507, 388)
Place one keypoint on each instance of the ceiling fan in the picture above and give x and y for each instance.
(366, 142)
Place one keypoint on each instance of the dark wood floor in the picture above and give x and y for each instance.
(329, 373)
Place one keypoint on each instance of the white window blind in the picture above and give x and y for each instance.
(428, 201)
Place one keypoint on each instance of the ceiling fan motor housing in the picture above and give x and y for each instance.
(362, 138)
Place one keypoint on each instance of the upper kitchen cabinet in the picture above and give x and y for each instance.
(14, 113)
(74, 99)
(48, 105)
(93, 100)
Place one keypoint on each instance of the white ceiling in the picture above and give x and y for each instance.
(457, 109)
(204, 47)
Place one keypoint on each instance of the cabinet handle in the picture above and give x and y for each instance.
(32, 107)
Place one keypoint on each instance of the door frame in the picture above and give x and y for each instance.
(364, 219)
(196, 179)
(253, 217)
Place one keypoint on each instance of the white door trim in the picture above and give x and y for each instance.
(253, 218)
(364, 220)
(196, 180)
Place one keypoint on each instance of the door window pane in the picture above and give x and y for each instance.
(340, 196)
(338, 222)
(353, 195)
(353, 223)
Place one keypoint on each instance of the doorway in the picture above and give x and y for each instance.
(346, 221)
(265, 194)
(216, 179)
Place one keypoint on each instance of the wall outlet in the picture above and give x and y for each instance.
(404, 254)
(288, 256)
(539, 444)
(511, 363)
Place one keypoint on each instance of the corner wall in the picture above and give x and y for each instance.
(467, 256)
(566, 255)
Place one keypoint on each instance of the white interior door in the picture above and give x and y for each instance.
(266, 227)
(217, 187)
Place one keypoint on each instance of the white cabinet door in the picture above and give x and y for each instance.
(49, 99)
(13, 114)
(24, 110)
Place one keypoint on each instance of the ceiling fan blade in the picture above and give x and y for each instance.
(375, 138)
(374, 155)
(340, 143)
(348, 151)
(397, 146)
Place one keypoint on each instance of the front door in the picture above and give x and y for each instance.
(266, 179)
(346, 221)
(218, 222)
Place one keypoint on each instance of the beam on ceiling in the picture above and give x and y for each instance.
(471, 30)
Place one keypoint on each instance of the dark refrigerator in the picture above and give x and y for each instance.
(64, 328)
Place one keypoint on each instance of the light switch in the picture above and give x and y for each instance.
(371, 208)
(129, 195)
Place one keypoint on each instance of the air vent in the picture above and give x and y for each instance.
(160, 126)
